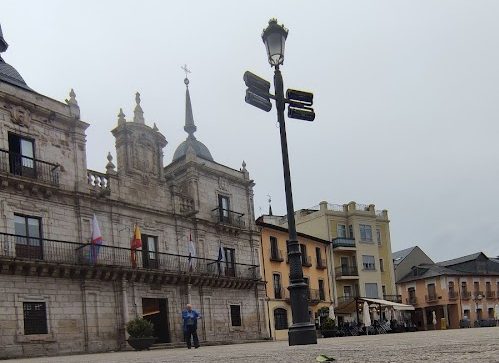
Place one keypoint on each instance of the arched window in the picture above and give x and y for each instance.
(280, 319)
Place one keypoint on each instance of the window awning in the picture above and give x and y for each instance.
(394, 305)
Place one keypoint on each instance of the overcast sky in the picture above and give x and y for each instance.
(406, 96)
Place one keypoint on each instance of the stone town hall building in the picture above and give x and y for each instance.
(55, 298)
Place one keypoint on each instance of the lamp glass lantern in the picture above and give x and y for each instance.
(274, 37)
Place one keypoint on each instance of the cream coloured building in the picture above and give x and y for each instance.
(60, 295)
(360, 250)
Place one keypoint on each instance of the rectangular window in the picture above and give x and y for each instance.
(230, 260)
(383, 290)
(304, 257)
(235, 315)
(35, 318)
(21, 156)
(368, 262)
(350, 231)
(277, 286)
(487, 286)
(432, 292)
(224, 208)
(28, 236)
(381, 267)
(466, 314)
(347, 291)
(464, 286)
(491, 313)
(476, 286)
(318, 256)
(365, 232)
(371, 290)
(322, 294)
(274, 249)
(341, 230)
(378, 236)
(149, 251)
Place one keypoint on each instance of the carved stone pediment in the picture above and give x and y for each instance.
(19, 115)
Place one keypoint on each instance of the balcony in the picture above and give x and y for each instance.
(27, 168)
(453, 295)
(344, 300)
(306, 261)
(275, 255)
(393, 298)
(281, 294)
(432, 298)
(41, 256)
(412, 300)
(228, 218)
(343, 243)
(346, 272)
(321, 264)
(465, 295)
(477, 293)
(490, 294)
(314, 296)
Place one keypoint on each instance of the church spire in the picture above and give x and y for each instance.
(189, 127)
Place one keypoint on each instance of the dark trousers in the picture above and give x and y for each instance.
(191, 331)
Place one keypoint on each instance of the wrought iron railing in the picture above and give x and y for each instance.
(276, 255)
(343, 300)
(313, 295)
(465, 295)
(346, 270)
(393, 298)
(20, 247)
(23, 166)
(490, 294)
(321, 263)
(228, 217)
(431, 298)
(343, 242)
(412, 300)
(281, 293)
(306, 261)
(453, 295)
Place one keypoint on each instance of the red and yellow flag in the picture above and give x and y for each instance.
(136, 242)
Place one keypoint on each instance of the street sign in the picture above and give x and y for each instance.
(258, 101)
(306, 98)
(257, 93)
(304, 113)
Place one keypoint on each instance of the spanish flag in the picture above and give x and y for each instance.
(136, 242)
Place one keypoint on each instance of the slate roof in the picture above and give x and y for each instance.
(398, 256)
(459, 260)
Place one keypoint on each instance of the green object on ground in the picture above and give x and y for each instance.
(324, 358)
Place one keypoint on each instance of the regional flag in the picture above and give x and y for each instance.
(136, 242)
(192, 254)
(96, 240)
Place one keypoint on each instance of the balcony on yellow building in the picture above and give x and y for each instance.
(346, 272)
(275, 255)
(412, 300)
(343, 244)
(321, 264)
(453, 295)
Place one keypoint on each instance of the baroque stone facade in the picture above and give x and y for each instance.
(58, 294)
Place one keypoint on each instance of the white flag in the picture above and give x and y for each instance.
(192, 254)
(221, 260)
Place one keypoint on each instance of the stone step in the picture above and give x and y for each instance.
(208, 343)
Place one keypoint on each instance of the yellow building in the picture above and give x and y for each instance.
(360, 249)
(275, 270)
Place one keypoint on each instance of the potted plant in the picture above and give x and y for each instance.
(328, 328)
(140, 331)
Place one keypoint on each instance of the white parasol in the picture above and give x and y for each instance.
(331, 312)
(366, 318)
(434, 318)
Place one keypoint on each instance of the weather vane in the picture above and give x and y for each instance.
(187, 71)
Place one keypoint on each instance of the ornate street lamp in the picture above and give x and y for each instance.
(302, 330)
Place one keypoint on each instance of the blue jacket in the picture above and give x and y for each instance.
(191, 316)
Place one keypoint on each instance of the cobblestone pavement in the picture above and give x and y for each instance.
(464, 345)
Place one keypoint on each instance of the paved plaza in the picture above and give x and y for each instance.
(464, 345)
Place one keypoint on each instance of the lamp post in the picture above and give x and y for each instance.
(301, 331)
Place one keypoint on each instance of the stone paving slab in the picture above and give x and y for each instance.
(464, 345)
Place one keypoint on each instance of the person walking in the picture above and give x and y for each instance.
(190, 319)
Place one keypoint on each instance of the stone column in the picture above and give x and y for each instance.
(446, 315)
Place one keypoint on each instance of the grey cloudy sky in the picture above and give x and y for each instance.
(406, 97)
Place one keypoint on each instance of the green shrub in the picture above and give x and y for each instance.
(139, 328)
(328, 324)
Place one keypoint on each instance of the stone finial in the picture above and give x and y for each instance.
(110, 167)
(121, 117)
(244, 167)
(138, 113)
(72, 98)
(74, 109)
(3, 43)
(155, 128)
